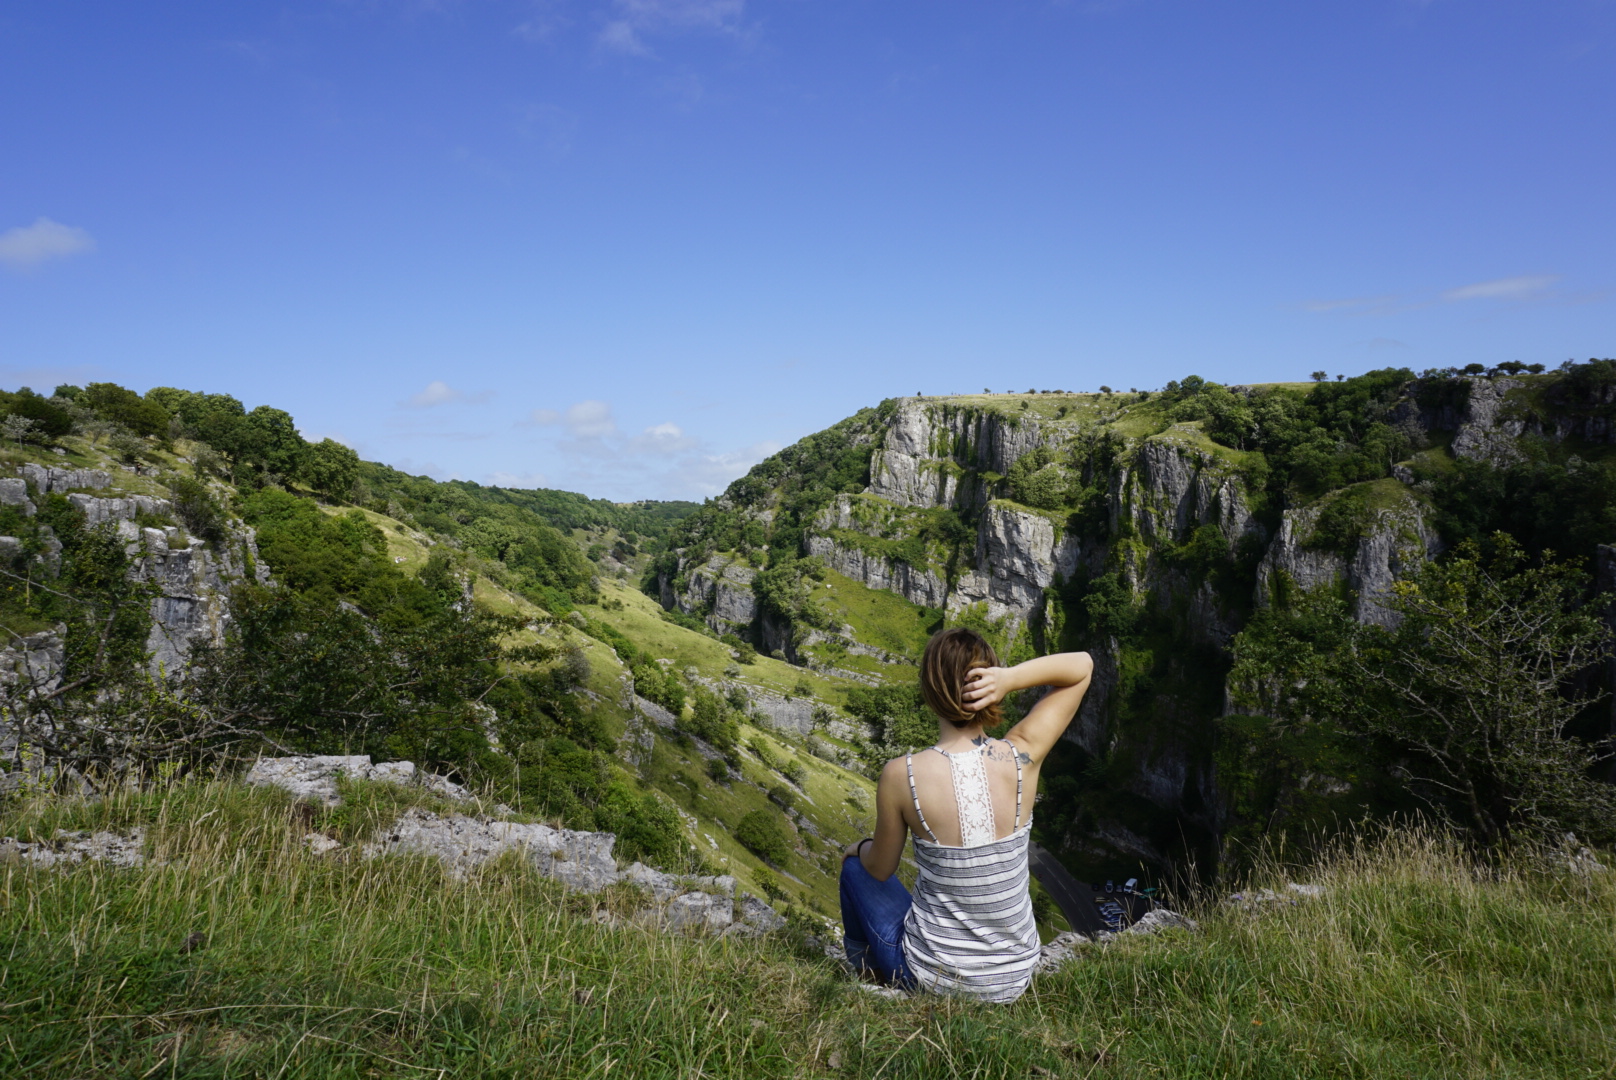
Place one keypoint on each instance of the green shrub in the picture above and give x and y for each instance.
(761, 833)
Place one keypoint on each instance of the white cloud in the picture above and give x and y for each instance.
(663, 458)
(665, 438)
(438, 392)
(1510, 288)
(29, 245)
(518, 480)
(585, 420)
(634, 19)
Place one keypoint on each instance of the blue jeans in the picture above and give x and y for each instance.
(872, 924)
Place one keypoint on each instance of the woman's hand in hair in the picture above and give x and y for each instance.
(984, 686)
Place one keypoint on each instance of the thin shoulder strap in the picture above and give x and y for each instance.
(1015, 755)
(909, 763)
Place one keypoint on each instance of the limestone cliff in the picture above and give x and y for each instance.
(1119, 524)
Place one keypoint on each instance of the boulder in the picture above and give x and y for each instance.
(314, 778)
(72, 848)
(580, 860)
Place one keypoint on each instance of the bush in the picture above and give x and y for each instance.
(196, 509)
(760, 833)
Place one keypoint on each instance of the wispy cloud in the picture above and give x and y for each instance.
(518, 480)
(1522, 289)
(633, 21)
(585, 420)
(1510, 288)
(660, 457)
(438, 392)
(29, 245)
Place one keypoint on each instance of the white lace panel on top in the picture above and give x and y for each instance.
(971, 794)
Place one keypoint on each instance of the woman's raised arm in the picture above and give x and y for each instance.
(1067, 674)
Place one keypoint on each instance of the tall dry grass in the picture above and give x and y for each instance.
(1415, 962)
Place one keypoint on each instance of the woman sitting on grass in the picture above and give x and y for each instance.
(969, 927)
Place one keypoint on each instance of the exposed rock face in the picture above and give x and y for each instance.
(36, 659)
(1169, 487)
(1399, 540)
(46, 480)
(912, 465)
(918, 586)
(72, 848)
(581, 860)
(98, 510)
(14, 492)
(721, 589)
(1019, 554)
(1486, 432)
(314, 778)
(195, 582)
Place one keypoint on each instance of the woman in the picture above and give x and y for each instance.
(969, 927)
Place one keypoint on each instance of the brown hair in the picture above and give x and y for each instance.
(950, 656)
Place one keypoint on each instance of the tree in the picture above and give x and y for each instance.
(272, 442)
(123, 406)
(1472, 693)
(331, 468)
(1320, 376)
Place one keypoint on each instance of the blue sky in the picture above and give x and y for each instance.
(629, 247)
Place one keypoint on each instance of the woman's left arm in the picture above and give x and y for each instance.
(880, 856)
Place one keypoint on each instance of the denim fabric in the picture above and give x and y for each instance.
(872, 923)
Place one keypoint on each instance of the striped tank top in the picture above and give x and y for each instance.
(971, 930)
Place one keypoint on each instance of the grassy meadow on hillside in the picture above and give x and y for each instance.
(1413, 963)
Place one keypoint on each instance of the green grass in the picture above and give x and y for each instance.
(1414, 964)
(880, 618)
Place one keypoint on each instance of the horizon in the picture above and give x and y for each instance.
(629, 249)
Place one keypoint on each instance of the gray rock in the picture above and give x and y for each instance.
(1399, 541)
(581, 861)
(754, 917)
(314, 778)
(58, 479)
(72, 848)
(699, 911)
(14, 492)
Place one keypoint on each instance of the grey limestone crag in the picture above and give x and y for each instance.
(71, 848)
(1399, 539)
(46, 479)
(581, 860)
(314, 778)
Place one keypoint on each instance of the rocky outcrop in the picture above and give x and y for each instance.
(929, 449)
(14, 492)
(720, 590)
(314, 778)
(1171, 485)
(1398, 540)
(1019, 554)
(1487, 430)
(921, 586)
(46, 479)
(70, 848)
(582, 861)
(195, 582)
(98, 510)
(34, 660)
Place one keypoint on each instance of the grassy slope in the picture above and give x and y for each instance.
(677, 768)
(1412, 965)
